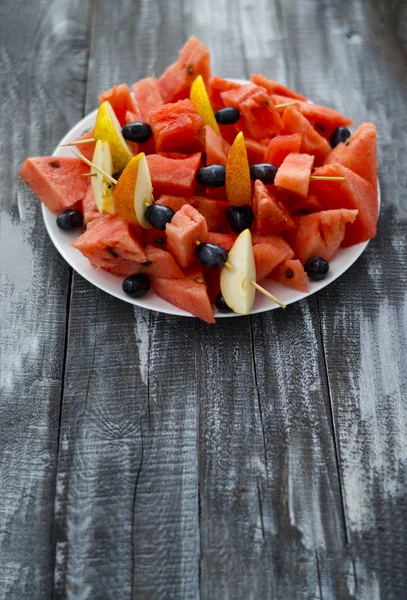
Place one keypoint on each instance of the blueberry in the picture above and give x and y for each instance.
(70, 219)
(221, 304)
(316, 268)
(240, 217)
(136, 285)
(339, 135)
(213, 176)
(138, 132)
(159, 215)
(211, 255)
(227, 116)
(266, 172)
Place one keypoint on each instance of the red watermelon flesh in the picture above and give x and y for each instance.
(148, 97)
(217, 85)
(358, 153)
(109, 242)
(271, 216)
(159, 263)
(173, 176)
(291, 273)
(256, 150)
(273, 87)
(194, 59)
(186, 228)
(146, 147)
(154, 237)
(86, 149)
(281, 146)
(257, 110)
(275, 240)
(212, 279)
(175, 126)
(121, 100)
(214, 211)
(302, 206)
(319, 234)
(225, 240)
(188, 294)
(89, 209)
(294, 173)
(56, 180)
(312, 141)
(267, 257)
(353, 193)
(325, 120)
(174, 202)
(216, 148)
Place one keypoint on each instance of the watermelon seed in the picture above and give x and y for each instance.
(159, 240)
(112, 252)
(199, 279)
(320, 127)
(148, 263)
(190, 70)
(55, 164)
(289, 273)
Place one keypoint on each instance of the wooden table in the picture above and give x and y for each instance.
(148, 456)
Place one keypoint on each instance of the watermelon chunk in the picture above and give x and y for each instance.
(108, 243)
(217, 85)
(56, 180)
(188, 294)
(186, 228)
(173, 176)
(273, 87)
(257, 110)
(353, 193)
(271, 216)
(319, 234)
(148, 97)
(121, 100)
(267, 257)
(89, 209)
(358, 153)
(216, 148)
(256, 150)
(291, 273)
(281, 146)
(225, 240)
(302, 206)
(175, 126)
(86, 149)
(214, 211)
(294, 173)
(194, 59)
(212, 280)
(312, 142)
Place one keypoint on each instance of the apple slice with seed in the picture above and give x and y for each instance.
(237, 275)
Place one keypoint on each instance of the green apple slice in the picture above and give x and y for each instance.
(102, 188)
(237, 275)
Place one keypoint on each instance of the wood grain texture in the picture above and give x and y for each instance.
(364, 313)
(43, 58)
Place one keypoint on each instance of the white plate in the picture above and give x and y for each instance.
(112, 284)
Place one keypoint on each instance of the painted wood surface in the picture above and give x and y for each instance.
(264, 460)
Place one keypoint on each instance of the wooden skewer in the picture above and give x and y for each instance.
(101, 171)
(285, 104)
(88, 174)
(266, 293)
(322, 178)
(79, 142)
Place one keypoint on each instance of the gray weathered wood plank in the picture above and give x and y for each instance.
(357, 60)
(43, 58)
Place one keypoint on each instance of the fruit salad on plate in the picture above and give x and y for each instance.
(202, 190)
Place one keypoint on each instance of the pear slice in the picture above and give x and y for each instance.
(238, 184)
(108, 129)
(238, 273)
(134, 191)
(102, 188)
(200, 99)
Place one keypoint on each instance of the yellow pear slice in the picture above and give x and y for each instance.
(134, 191)
(200, 99)
(102, 188)
(108, 129)
(238, 273)
(238, 184)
